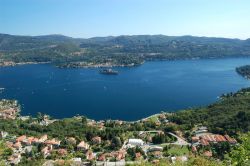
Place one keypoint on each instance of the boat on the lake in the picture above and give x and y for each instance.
(108, 72)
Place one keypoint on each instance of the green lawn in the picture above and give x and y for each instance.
(178, 150)
(153, 119)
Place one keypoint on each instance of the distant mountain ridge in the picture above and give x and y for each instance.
(117, 50)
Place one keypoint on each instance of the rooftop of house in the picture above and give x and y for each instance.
(96, 139)
(53, 142)
(21, 138)
(83, 144)
(208, 154)
(62, 151)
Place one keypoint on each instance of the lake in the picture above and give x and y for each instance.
(135, 93)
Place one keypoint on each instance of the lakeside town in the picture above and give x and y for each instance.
(154, 144)
(124, 83)
(4, 63)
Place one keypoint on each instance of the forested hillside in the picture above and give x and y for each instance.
(120, 50)
(244, 71)
(229, 115)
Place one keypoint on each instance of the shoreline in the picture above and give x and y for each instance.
(13, 64)
(15, 104)
(91, 65)
(82, 64)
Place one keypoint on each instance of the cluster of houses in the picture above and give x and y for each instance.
(116, 155)
(204, 138)
(8, 109)
(148, 149)
(9, 113)
(24, 144)
(7, 63)
(46, 121)
(100, 124)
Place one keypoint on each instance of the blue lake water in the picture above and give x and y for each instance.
(133, 94)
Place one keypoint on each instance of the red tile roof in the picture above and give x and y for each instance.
(101, 157)
(204, 142)
(194, 149)
(230, 140)
(195, 139)
(17, 145)
(21, 138)
(62, 151)
(220, 138)
(208, 154)
(209, 138)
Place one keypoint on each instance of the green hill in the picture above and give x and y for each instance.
(231, 114)
(118, 50)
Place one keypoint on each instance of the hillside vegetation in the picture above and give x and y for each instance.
(120, 50)
(244, 71)
(229, 115)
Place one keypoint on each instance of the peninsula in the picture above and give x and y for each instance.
(244, 71)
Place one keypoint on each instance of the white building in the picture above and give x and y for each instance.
(3, 134)
(155, 148)
(135, 142)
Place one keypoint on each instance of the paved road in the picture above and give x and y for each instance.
(118, 163)
(180, 141)
(152, 131)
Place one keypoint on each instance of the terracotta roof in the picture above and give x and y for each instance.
(13, 157)
(119, 154)
(43, 138)
(17, 145)
(208, 137)
(83, 144)
(62, 151)
(195, 139)
(9, 144)
(89, 155)
(45, 150)
(28, 140)
(208, 154)
(21, 138)
(96, 139)
(53, 142)
(220, 138)
(204, 142)
(230, 140)
(101, 157)
(194, 149)
(35, 140)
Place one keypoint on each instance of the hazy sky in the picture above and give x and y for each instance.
(88, 18)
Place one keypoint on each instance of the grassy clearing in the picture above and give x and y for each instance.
(153, 119)
(178, 150)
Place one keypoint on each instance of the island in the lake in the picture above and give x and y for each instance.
(108, 72)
